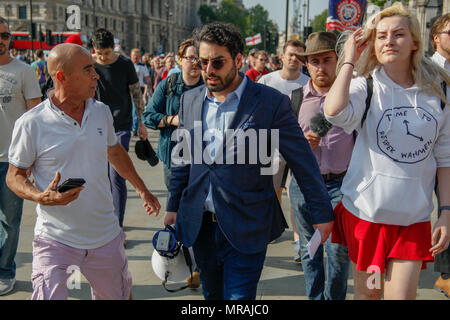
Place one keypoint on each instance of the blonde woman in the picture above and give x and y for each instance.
(384, 216)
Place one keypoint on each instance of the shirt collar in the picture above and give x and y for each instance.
(440, 60)
(309, 90)
(51, 93)
(239, 91)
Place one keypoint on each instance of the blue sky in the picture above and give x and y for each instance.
(277, 9)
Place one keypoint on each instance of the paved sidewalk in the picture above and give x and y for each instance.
(281, 277)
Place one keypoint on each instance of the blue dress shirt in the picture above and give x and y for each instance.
(217, 117)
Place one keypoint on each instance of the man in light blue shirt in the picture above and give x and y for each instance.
(221, 196)
(217, 117)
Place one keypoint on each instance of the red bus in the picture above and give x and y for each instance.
(21, 40)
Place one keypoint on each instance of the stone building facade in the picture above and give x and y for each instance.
(427, 12)
(154, 25)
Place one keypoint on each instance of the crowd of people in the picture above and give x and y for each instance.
(362, 142)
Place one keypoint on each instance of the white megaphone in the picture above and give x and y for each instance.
(171, 261)
(175, 269)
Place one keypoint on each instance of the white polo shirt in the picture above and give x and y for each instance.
(48, 140)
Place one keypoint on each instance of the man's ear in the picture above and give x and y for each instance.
(436, 39)
(60, 76)
(238, 60)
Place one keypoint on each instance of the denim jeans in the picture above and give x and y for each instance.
(10, 216)
(118, 184)
(225, 273)
(166, 172)
(135, 125)
(338, 262)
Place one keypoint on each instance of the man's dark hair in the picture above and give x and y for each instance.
(103, 39)
(275, 60)
(222, 34)
(39, 53)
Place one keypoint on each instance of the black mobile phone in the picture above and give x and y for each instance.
(70, 184)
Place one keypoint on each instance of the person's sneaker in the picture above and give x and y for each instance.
(6, 285)
(297, 257)
(194, 280)
(443, 285)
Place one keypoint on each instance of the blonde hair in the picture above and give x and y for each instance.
(426, 73)
(136, 50)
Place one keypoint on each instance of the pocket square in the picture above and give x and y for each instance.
(248, 124)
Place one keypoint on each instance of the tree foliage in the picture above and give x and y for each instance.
(249, 21)
(319, 23)
(206, 14)
(381, 3)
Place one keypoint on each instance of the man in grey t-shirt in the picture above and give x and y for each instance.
(19, 92)
(286, 80)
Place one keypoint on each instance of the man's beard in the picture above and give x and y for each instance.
(223, 83)
(3, 50)
(325, 82)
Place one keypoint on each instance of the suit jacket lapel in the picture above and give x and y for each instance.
(246, 106)
(197, 104)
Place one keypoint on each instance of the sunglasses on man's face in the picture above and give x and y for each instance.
(217, 64)
(447, 32)
(5, 35)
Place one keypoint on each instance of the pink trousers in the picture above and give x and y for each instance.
(106, 269)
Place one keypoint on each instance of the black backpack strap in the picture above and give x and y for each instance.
(369, 81)
(296, 103)
(444, 88)
(296, 100)
(170, 83)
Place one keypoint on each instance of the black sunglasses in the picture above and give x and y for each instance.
(5, 35)
(217, 64)
(447, 32)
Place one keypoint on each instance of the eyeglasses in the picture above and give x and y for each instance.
(5, 35)
(447, 32)
(217, 64)
(192, 60)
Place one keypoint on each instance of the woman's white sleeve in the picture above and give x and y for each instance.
(350, 117)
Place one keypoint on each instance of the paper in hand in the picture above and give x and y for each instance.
(314, 243)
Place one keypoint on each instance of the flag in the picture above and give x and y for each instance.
(345, 15)
(251, 41)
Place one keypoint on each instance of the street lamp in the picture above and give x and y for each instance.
(31, 27)
(168, 14)
(93, 13)
(287, 21)
(8, 11)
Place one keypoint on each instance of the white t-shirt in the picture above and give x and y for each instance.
(48, 140)
(141, 72)
(18, 83)
(286, 87)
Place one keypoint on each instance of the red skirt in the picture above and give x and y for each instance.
(373, 244)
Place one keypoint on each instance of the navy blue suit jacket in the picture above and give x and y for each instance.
(246, 205)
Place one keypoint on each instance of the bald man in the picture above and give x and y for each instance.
(71, 135)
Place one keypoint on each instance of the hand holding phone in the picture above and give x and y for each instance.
(60, 195)
(70, 183)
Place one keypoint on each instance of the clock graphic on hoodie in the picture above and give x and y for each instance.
(407, 134)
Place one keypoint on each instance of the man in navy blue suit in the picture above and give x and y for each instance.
(221, 196)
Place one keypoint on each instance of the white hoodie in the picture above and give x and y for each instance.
(404, 139)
